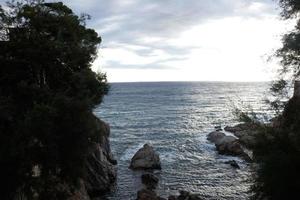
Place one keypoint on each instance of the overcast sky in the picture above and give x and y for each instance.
(185, 40)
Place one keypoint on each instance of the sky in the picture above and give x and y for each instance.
(185, 40)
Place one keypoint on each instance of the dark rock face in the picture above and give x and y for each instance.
(145, 158)
(101, 172)
(150, 181)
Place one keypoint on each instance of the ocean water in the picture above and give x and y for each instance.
(175, 118)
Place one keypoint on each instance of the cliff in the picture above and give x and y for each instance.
(100, 168)
(101, 172)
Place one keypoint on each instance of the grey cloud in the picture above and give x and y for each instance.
(160, 64)
(126, 22)
(153, 65)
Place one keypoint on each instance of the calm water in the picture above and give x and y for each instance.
(175, 118)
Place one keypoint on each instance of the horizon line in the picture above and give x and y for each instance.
(212, 81)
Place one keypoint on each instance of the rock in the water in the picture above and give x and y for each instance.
(218, 128)
(215, 136)
(145, 158)
(228, 145)
(145, 194)
(233, 163)
(184, 195)
(150, 181)
(246, 133)
(101, 172)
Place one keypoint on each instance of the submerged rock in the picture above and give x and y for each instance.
(218, 128)
(233, 163)
(145, 158)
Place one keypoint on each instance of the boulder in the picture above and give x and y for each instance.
(150, 181)
(215, 136)
(229, 145)
(145, 158)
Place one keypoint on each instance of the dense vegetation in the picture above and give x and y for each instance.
(278, 147)
(47, 93)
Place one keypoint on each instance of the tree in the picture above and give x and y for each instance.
(47, 93)
(278, 146)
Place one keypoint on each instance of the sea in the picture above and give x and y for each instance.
(175, 118)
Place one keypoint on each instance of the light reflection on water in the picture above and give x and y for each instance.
(175, 118)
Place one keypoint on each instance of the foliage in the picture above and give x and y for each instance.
(278, 152)
(47, 93)
(277, 147)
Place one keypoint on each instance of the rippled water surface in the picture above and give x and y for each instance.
(175, 118)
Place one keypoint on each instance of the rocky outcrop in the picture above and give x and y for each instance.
(227, 144)
(184, 195)
(246, 132)
(101, 172)
(215, 136)
(146, 194)
(150, 181)
(145, 158)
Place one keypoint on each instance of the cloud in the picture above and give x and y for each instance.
(168, 34)
(149, 24)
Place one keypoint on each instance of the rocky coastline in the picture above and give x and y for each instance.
(102, 170)
(100, 165)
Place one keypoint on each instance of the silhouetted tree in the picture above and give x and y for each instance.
(47, 93)
(278, 146)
